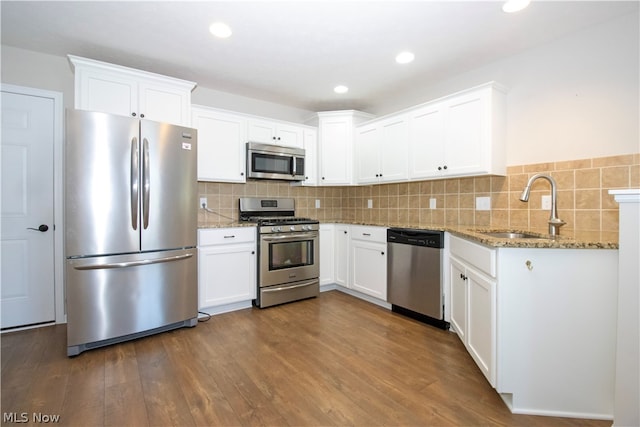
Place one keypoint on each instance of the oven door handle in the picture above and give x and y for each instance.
(296, 236)
(283, 288)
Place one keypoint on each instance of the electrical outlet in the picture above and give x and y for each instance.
(317, 203)
(546, 202)
(483, 203)
(203, 202)
(369, 203)
(432, 203)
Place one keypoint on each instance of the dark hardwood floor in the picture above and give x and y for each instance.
(330, 361)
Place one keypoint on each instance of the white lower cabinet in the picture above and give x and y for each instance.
(327, 264)
(368, 252)
(473, 305)
(341, 256)
(226, 266)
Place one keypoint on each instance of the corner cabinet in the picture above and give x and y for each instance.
(335, 145)
(459, 135)
(221, 145)
(114, 89)
(227, 266)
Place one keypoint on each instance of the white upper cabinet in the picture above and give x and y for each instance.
(113, 89)
(221, 145)
(335, 146)
(310, 157)
(271, 132)
(460, 135)
(382, 151)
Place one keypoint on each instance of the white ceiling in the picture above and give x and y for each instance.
(295, 52)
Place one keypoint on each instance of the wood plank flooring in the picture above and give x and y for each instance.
(330, 361)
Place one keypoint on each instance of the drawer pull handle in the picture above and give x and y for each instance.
(230, 237)
(366, 234)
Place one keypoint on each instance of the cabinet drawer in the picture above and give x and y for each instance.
(225, 236)
(369, 234)
(479, 256)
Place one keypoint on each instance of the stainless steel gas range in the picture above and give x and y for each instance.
(288, 250)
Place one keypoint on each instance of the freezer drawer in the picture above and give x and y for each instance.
(114, 298)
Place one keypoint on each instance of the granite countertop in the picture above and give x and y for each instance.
(475, 234)
(472, 233)
(230, 224)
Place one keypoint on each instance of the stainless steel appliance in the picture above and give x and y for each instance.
(414, 274)
(267, 161)
(288, 250)
(131, 224)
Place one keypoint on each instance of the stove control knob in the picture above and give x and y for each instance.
(275, 229)
(292, 228)
(306, 227)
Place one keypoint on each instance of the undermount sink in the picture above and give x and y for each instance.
(511, 235)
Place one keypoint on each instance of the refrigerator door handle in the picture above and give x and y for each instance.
(145, 182)
(132, 263)
(135, 178)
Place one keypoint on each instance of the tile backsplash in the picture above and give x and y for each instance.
(583, 199)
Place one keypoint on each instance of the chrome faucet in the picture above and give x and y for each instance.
(554, 222)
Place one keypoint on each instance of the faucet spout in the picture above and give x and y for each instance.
(554, 222)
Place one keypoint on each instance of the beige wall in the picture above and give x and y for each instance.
(583, 199)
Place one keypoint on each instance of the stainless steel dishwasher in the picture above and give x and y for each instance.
(414, 274)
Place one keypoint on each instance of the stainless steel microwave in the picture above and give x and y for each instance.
(267, 161)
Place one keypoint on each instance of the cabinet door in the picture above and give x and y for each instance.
(327, 244)
(467, 121)
(226, 274)
(164, 103)
(394, 150)
(367, 149)
(261, 131)
(369, 263)
(342, 254)
(290, 136)
(458, 292)
(106, 92)
(336, 143)
(221, 148)
(426, 142)
(310, 157)
(481, 330)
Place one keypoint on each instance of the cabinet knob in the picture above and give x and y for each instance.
(253, 252)
(439, 168)
(241, 173)
(323, 177)
(382, 253)
(345, 231)
(142, 116)
(445, 167)
(133, 114)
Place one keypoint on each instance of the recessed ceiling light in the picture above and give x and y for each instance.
(405, 57)
(511, 6)
(341, 89)
(220, 29)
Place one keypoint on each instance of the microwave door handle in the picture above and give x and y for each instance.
(295, 163)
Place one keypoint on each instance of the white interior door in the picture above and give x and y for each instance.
(27, 250)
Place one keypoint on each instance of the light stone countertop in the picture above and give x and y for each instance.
(473, 234)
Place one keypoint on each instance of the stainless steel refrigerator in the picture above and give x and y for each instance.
(130, 228)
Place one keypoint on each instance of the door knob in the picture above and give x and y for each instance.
(42, 228)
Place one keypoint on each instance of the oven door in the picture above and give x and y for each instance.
(288, 257)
